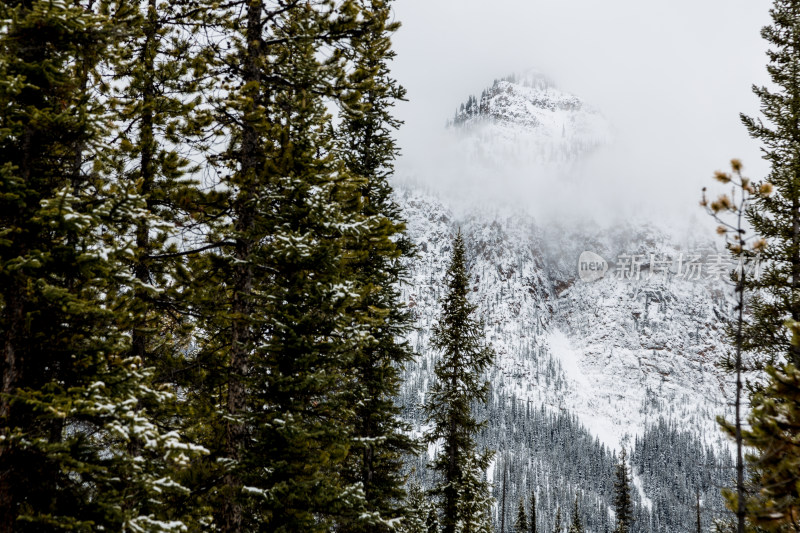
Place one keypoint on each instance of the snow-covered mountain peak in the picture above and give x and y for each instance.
(525, 120)
(583, 366)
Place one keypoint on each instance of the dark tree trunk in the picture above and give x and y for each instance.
(243, 279)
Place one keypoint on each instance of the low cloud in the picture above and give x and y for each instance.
(670, 77)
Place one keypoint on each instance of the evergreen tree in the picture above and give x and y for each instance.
(432, 523)
(577, 524)
(521, 523)
(417, 511)
(557, 527)
(157, 108)
(776, 293)
(623, 505)
(532, 512)
(278, 335)
(474, 501)
(776, 216)
(72, 396)
(458, 335)
(503, 497)
(697, 511)
(376, 262)
(773, 432)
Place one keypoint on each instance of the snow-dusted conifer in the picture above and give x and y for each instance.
(474, 500)
(775, 216)
(376, 262)
(623, 505)
(521, 522)
(73, 398)
(157, 76)
(417, 509)
(278, 337)
(432, 523)
(532, 513)
(558, 527)
(460, 381)
(577, 523)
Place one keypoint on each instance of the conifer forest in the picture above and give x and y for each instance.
(230, 302)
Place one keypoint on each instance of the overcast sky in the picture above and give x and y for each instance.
(671, 76)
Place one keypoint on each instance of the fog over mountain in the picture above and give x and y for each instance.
(583, 368)
(670, 85)
(545, 129)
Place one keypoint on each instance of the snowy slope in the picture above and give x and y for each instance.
(633, 361)
(617, 353)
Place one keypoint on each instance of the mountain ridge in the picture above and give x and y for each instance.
(609, 363)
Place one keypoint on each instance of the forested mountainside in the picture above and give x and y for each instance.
(582, 368)
(223, 306)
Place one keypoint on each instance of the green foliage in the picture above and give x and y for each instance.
(775, 216)
(460, 382)
(577, 524)
(73, 397)
(521, 522)
(199, 310)
(375, 262)
(155, 105)
(774, 420)
(432, 523)
(301, 351)
(557, 527)
(623, 505)
(473, 498)
(417, 510)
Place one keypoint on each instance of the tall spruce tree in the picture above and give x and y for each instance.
(521, 523)
(577, 523)
(532, 512)
(776, 294)
(72, 392)
(380, 439)
(776, 217)
(623, 505)
(557, 527)
(157, 76)
(459, 384)
(280, 334)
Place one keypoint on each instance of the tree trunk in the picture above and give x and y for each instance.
(242, 280)
(697, 495)
(141, 269)
(12, 376)
(503, 505)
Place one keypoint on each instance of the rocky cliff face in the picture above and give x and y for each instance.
(624, 351)
(625, 360)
